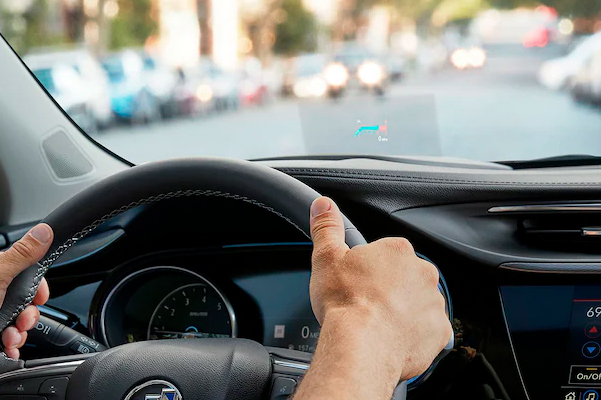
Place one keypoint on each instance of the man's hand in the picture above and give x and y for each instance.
(23, 254)
(382, 316)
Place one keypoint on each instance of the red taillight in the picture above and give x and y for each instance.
(537, 38)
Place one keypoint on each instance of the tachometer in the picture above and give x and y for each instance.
(193, 311)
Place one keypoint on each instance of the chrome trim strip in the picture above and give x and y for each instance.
(545, 208)
(291, 364)
(228, 305)
(553, 268)
(591, 231)
(517, 365)
(26, 371)
(51, 312)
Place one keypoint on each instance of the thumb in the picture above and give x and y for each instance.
(24, 253)
(327, 229)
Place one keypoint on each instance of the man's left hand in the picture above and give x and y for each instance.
(21, 255)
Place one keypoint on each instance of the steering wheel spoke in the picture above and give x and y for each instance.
(41, 379)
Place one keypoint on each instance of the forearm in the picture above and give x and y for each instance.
(353, 360)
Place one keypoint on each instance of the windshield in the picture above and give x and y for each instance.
(495, 80)
(114, 69)
(46, 79)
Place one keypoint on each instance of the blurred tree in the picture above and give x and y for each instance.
(575, 8)
(297, 32)
(27, 28)
(133, 25)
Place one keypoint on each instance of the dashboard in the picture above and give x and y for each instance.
(169, 302)
(526, 305)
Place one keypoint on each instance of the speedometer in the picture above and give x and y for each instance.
(193, 311)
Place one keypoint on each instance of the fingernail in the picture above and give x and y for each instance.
(320, 206)
(41, 233)
(31, 323)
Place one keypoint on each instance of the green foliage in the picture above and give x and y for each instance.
(133, 25)
(298, 32)
(28, 30)
(575, 8)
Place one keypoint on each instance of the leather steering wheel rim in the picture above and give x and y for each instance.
(252, 183)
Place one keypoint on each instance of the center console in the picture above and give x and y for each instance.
(556, 337)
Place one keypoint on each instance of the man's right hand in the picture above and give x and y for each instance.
(381, 293)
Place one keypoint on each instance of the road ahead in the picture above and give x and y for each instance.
(497, 113)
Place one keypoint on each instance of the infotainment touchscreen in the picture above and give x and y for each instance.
(556, 336)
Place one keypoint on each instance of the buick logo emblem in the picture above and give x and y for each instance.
(155, 390)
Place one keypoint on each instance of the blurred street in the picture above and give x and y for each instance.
(499, 112)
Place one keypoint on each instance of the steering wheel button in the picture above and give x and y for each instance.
(22, 386)
(282, 388)
(55, 386)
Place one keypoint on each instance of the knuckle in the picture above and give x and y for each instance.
(324, 222)
(441, 302)
(23, 250)
(446, 334)
(431, 272)
(399, 244)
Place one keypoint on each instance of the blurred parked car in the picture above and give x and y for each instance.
(68, 89)
(586, 85)
(131, 97)
(224, 85)
(364, 66)
(197, 91)
(163, 83)
(254, 88)
(304, 76)
(92, 75)
(557, 73)
(395, 65)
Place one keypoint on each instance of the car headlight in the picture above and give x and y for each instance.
(335, 75)
(476, 57)
(310, 87)
(204, 93)
(460, 58)
(370, 73)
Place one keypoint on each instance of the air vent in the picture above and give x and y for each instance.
(562, 231)
(569, 227)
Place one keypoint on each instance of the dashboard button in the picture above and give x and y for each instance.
(585, 374)
(282, 388)
(22, 386)
(591, 349)
(590, 395)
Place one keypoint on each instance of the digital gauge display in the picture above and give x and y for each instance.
(288, 320)
(190, 312)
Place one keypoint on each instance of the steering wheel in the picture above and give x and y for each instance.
(202, 369)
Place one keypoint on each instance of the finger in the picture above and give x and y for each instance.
(327, 228)
(11, 337)
(41, 297)
(12, 353)
(27, 319)
(23, 340)
(24, 253)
